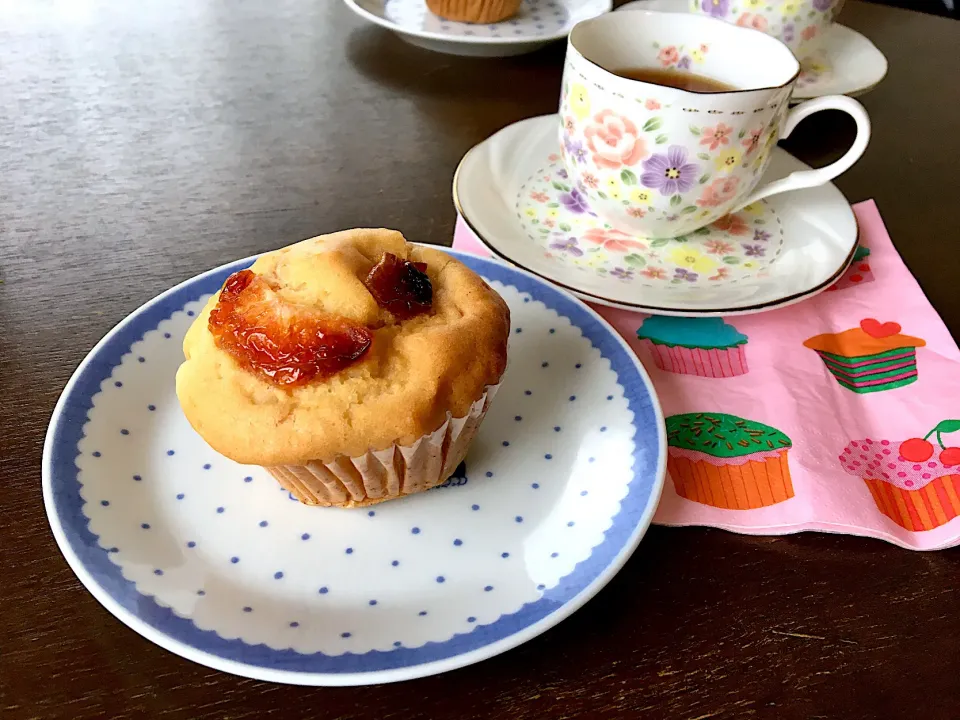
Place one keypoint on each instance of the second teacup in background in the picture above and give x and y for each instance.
(798, 24)
(655, 159)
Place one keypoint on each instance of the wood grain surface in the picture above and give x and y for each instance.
(143, 142)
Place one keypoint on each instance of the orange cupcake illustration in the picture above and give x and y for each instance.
(728, 462)
(871, 358)
(913, 482)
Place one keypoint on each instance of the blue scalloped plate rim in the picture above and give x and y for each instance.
(179, 635)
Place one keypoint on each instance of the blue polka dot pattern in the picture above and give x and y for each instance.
(461, 528)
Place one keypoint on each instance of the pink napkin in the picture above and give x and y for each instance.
(838, 414)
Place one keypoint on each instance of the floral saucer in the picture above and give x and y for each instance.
(215, 562)
(847, 63)
(515, 193)
(538, 23)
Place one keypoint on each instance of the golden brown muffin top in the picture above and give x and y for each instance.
(414, 372)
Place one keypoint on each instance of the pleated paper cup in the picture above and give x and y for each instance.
(381, 475)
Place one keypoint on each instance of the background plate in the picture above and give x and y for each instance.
(537, 23)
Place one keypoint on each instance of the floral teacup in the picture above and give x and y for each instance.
(657, 161)
(798, 24)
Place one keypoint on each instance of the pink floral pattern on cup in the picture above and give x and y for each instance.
(556, 214)
(683, 180)
(797, 23)
(614, 140)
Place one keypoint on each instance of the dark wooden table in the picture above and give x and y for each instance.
(143, 142)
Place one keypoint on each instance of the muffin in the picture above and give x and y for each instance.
(728, 462)
(354, 367)
(914, 482)
(871, 358)
(705, 347)
(474, 11)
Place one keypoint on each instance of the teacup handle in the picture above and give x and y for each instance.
(811, 178)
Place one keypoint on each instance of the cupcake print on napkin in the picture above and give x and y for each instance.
(726, 461)
(914, 482)
(707, 347)
(823, 416)
(871, 358)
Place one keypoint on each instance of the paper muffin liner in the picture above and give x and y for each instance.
(394, 472)
(926, 508)
(710, 363)
(746, 486)
(474, 11)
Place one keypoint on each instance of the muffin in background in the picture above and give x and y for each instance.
(354, 367)
(474, 11)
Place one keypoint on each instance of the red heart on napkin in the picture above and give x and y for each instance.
(876, 329)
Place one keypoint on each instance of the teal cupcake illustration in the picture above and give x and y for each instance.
(705, 347)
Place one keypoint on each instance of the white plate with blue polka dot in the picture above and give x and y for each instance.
(537, 23)
(215, 562)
